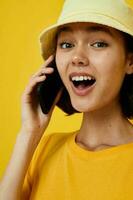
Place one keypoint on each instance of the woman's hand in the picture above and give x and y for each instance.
(34, 123)
(33, 120)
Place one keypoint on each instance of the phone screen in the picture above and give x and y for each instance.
(48, 89)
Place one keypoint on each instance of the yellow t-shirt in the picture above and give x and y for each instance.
(62, 170)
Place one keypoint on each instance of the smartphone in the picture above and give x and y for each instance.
(48, 89)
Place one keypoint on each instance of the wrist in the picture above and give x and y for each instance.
(28, 138)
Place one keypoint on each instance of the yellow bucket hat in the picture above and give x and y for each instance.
(113, 13)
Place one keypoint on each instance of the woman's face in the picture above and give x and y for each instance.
(92, 63)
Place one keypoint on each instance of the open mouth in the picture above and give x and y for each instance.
(82, 82)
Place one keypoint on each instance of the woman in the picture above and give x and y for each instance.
(92, 46)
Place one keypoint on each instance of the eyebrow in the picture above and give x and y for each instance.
(90, 29)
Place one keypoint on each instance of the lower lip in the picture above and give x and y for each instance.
(83, 91)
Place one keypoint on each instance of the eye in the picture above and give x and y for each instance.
(100, 44)
(65, 45)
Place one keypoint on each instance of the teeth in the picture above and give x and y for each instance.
(81, 78)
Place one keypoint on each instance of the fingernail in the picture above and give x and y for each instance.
(52, 56)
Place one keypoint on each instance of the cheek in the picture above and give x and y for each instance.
(110, 71)
(61, 66)
(110, 64)
(59, 62)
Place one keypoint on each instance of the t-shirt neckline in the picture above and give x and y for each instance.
(85, 153)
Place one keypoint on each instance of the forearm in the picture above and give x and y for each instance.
(11, 185)
(34, 123)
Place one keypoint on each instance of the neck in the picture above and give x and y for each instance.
(106, 127)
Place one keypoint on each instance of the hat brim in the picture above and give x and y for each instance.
(47, 37)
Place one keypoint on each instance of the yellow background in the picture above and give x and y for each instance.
(21, 21)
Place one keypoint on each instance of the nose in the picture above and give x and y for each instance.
(80, 58)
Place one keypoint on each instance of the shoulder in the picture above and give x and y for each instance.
(53, 139)
(49, 144)
(46, 148)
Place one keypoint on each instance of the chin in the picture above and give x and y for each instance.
(87, 105)
(80, 107)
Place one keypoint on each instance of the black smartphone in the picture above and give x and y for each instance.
(48, 89)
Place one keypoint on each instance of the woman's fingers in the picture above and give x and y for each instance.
(39, 76)
(33, 82)
(48, 61)
(45, 68)
(43, 71)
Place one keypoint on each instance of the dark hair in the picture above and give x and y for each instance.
(126, 92)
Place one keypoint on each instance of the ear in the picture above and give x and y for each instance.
(129, 67)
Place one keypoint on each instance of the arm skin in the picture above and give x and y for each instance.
(34, 124)
(11, 185)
